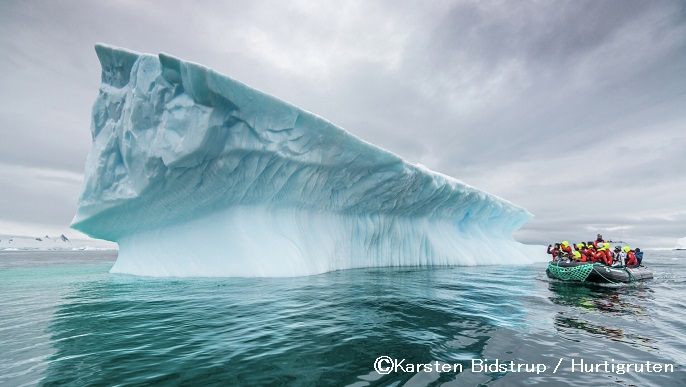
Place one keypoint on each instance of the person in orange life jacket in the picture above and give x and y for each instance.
(578, 257)
(639, 256)
(555, 251)
(581, 248)
(590, 253)
(600, 254)
(631, 260)
(605, 254)
(598, 241)
(566, 248)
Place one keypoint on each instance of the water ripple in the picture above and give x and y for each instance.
(75, 324)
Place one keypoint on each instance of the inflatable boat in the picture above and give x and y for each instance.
(596, 272)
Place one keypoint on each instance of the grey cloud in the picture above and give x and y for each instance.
(652, 232)
(573, 109)
(35, 196)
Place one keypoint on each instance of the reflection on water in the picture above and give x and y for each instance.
(83, 326)
(603, 311)
(622, 299)
(611, 333)
(314, 330)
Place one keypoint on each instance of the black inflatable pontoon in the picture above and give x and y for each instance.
(596, 272)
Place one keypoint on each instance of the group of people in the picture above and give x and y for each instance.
(597, 251)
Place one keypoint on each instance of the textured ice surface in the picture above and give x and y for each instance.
(681, 244)
(196, 174)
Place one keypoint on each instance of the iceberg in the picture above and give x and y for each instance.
(193, 173)
(680, 244)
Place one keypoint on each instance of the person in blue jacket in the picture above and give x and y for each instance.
(639, 255)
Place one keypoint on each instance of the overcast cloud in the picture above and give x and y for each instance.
(575, 110)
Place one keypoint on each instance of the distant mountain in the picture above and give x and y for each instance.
(16, 243)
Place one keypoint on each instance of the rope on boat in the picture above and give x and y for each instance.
(631, 275)
(605, 278)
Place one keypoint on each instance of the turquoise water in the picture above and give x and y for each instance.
(64, 320)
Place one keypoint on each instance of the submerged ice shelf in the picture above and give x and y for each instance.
(196, 174)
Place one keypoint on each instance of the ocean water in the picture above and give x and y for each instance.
(64, 320)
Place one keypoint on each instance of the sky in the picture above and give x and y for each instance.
(574, 110)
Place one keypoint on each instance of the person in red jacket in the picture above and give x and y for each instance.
(605, 253)
(598, 241)
(631, 260)
(581, 248)
(565, 248)
(590, 252)
(600, 256)
(554, 251)
(578, 257)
